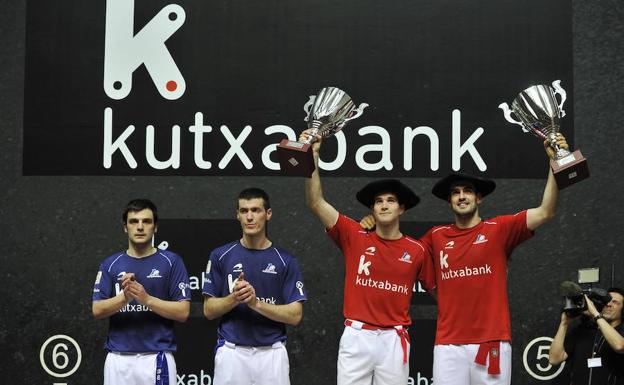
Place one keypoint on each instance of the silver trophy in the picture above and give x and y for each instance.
(540, 114)
(327, 113)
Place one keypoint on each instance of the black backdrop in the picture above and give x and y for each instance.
(61, 207)
(248, 66)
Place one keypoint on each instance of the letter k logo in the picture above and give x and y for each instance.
(124, 51)
(364, 266)
(443, 257)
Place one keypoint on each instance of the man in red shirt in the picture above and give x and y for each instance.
(470, 256)
(381, 267)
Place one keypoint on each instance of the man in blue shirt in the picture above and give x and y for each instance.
(142, 291)
(256, 288)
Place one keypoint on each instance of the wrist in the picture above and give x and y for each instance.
(148, 300)
(597, 317)
(255, 304)
(125, 299)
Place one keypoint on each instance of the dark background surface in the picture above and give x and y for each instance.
(249, 64)
(57, 229)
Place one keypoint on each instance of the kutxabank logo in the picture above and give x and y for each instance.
(202, 120)
(124, 51)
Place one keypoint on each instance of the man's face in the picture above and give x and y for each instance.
(253, 216)
(613, 310)
(464, 200)
(140, 226)
(386, 208)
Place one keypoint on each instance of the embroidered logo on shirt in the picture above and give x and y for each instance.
(154, 274)
(443, 263)
(183, 286)
(480, 239)
(237, 268)
(449, 245)
(363, 267)
(270, 269)
(98, 277)
(406, 257)
(299, 286)
(370, 250)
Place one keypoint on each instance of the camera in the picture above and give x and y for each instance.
(574, 295)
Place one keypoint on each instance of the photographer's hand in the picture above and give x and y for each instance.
(591, 308)
(611, 335)
(565, 318)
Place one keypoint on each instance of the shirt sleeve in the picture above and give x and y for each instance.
(103, 287)
(179, 285)
(213, 277)
(426, 275)
(515, 230)
(427, 241)
(293, 288)
(340, 232)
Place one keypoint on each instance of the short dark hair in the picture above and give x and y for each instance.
(255, 192)
(138, 205)
(616, 290)
(620, 292)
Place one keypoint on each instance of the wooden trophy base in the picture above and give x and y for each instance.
(295, 158)
(570, 169)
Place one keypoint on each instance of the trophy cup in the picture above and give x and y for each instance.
(327, 113)
(539, 114)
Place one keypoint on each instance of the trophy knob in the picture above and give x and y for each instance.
(507, 112)
(308, 106)
(559, 90)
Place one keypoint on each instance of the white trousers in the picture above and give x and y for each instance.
(371, 357)
(455, 365)
(246, 365)
(135, 369)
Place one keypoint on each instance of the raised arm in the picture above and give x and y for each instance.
(613, 338)
(557, 353)
(537, 216)
(314, 191)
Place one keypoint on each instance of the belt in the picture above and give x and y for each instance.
(492, 349)
(222, 342)
(400, 330)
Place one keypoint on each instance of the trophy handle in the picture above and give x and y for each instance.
(507, 112)
(358, 112)
(308, 106)
(559, 90)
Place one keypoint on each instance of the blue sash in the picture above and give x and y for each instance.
(162, 369)
(220, 343)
